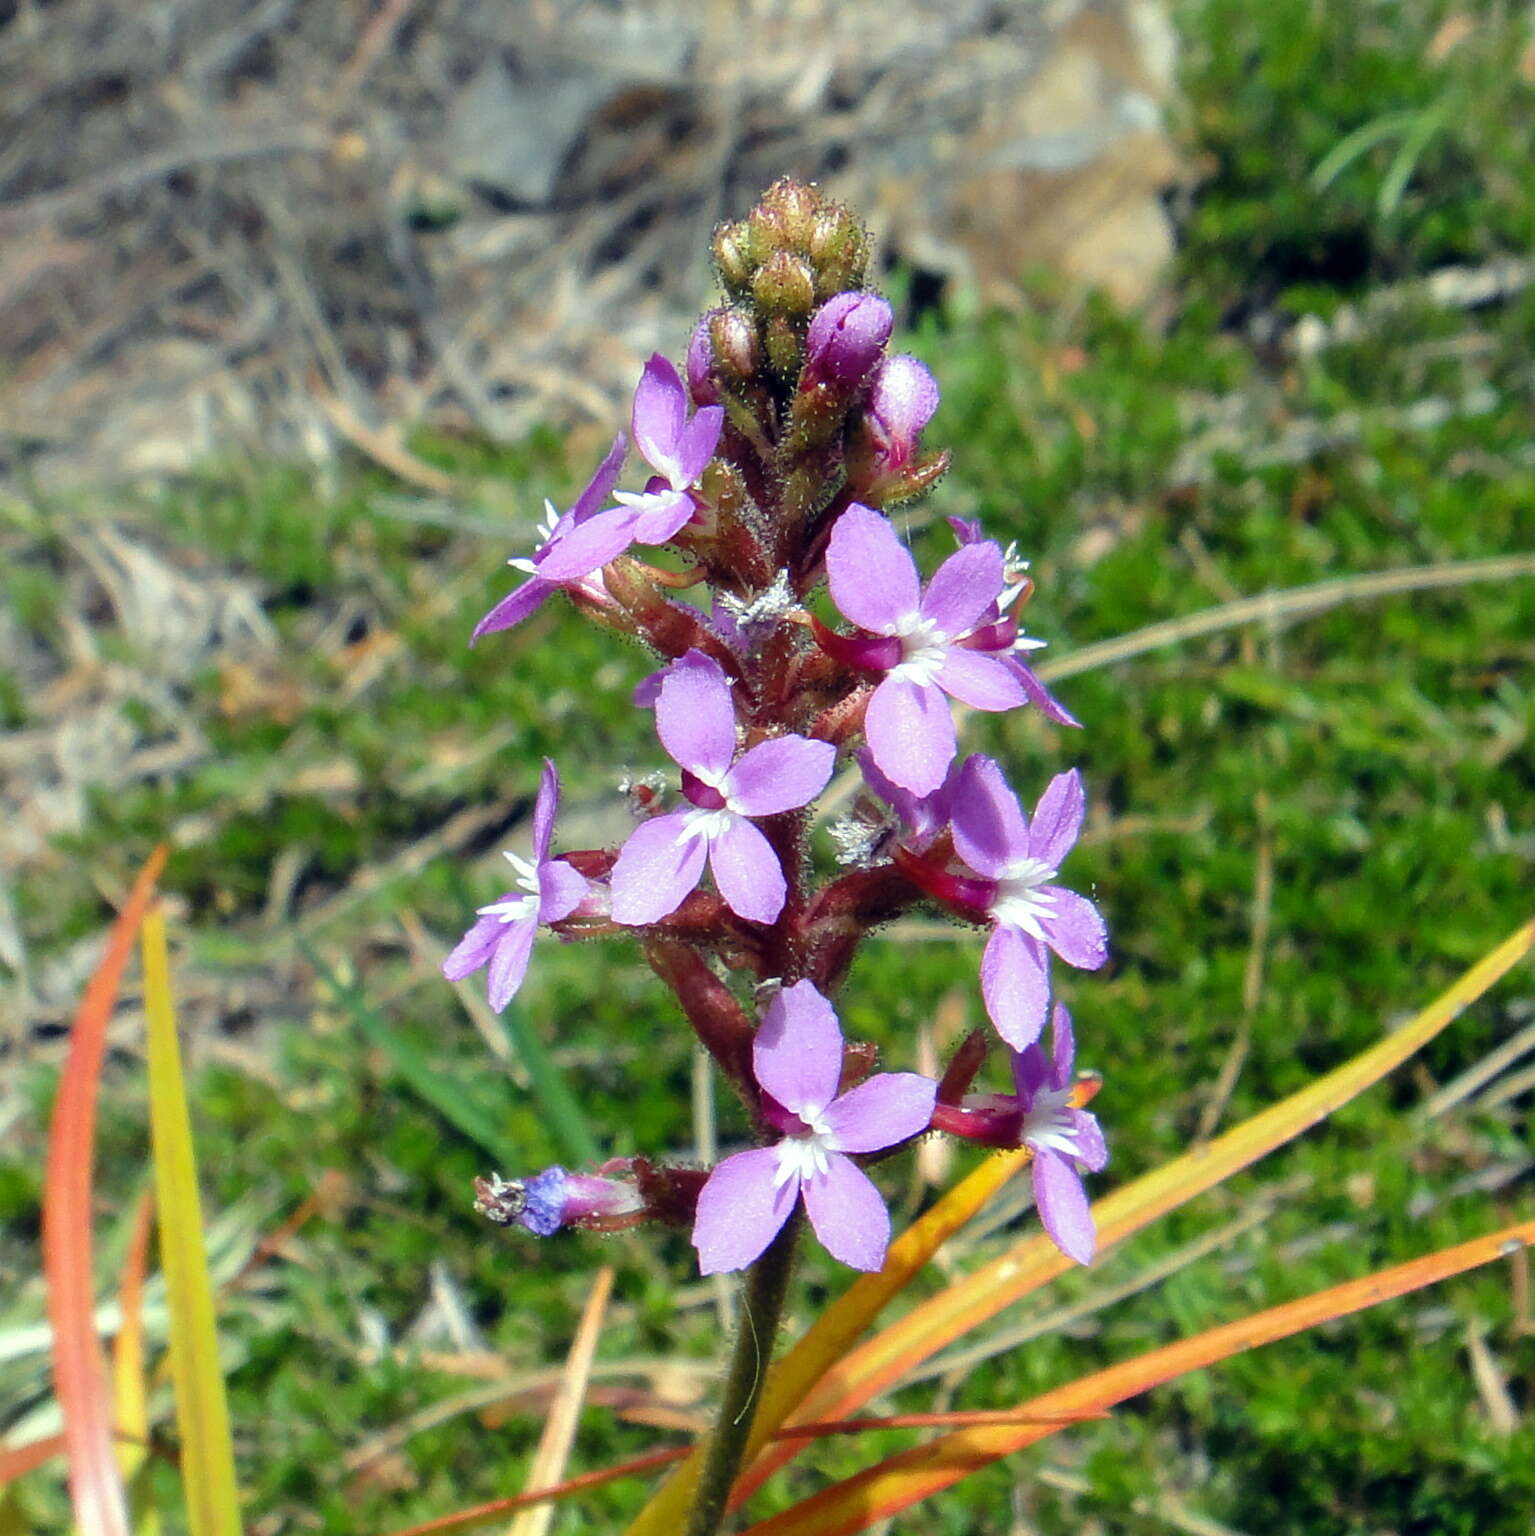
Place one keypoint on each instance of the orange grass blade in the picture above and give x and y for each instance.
(903, 1480)
(79, 1372)
(202, 1415)
(17, 1461)
(934, 1324)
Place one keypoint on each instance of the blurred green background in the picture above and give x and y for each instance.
(1298, 832)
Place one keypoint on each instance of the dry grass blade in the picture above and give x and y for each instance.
(202, 1415)
(850, 1382)
(901, 1481)
(79, 1372)
(554, 1444)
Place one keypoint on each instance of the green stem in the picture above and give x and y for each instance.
(762, 1297)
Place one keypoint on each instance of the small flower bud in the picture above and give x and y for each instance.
(555, 1199)
(734, 338)
(846, 337)
(902, 399)
(700, 359)
(839, 250)
(785, 285)
(785, 348)
(732, 254)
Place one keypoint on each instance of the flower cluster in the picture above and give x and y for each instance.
(808, 638)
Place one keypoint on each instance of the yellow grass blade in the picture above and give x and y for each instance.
(130, 1384)
(903, 1480)
(850, 1382)
(202, 1415)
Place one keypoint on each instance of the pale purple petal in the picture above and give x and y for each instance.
(1031, 1071)
(544, 808)
(747, 872)
(902, 399)
(989, 827)
(648, 689)
(473, 950)
(700, 438)
(1063, 1047)
(848, 1214)
(911, 734)
(1057, 819)
(515, 607)
(1041, 697)
(1074, 928)
(660, 408)
(1063, 1206)
(661, 516)
(1015, 981)
(740, 1211)
(964, 588)
(509, 962)
(656, 868)
(872, 576)
(797, 1053)
(589, 547)
(780, 774)
(981, 681)
(600, 487)
(695, 718)
(1088, 1144)
(560, 889)
(881, 1111)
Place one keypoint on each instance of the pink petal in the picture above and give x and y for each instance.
(589, 547)
(797, 1054)
(1031, 1071)
(739, 1210)
(695, 718)
(1089, 1146)
(872, 576)
(779, 775)
(1063, 1206)
(963, 588)
(1058, 819)
(514, 607)
(657, 523)
(655, 870)
(910, 733)
(660, 407)
(560, 889)
(544, 808)
(700, 438)
(981, 681)
(509, 962)
(1063, 1047)
(990, 831)
(881, 1111)
(1015, 981)
(473, 950)
(600, 487)
(848, 1214)
(1074, 928)
(747, 872)
(1041, 697)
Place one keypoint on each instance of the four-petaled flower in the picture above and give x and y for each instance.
(664, 858)
(677, 447)
(1030, 914)
(1064, 1139)
(797, 1060)
(920, 641)
(503, 936)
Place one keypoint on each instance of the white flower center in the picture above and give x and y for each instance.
(647, 501)
(804, 1156)
(545, 534)
(1048, 1125)
(515, 908)
(1019, 901)
(706, 824)
(922, 650)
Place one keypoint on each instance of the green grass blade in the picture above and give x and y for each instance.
(561, 1114)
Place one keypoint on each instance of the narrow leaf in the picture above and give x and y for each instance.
(844, 1386)
(79, 1372)
(202, 1415)
(130, 1383)
(903, 1480)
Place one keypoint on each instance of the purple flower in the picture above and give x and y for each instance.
(797, 1058)
(1064, 1139)
(555, 1199)
(516, 606)
(677, 447)
(1030, 914)
(922, 642)
(503, 936)
(664, 858)
(902, 399)
(846, 336)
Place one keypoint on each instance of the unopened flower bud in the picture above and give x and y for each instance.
(700, 359)
(785, 285)
(555, 1199)
(846, 337)
(735, 343)
(785, 346)
(732, 254)
(839, 250)
(902, 399)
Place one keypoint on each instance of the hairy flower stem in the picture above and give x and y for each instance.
(762, 1297)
